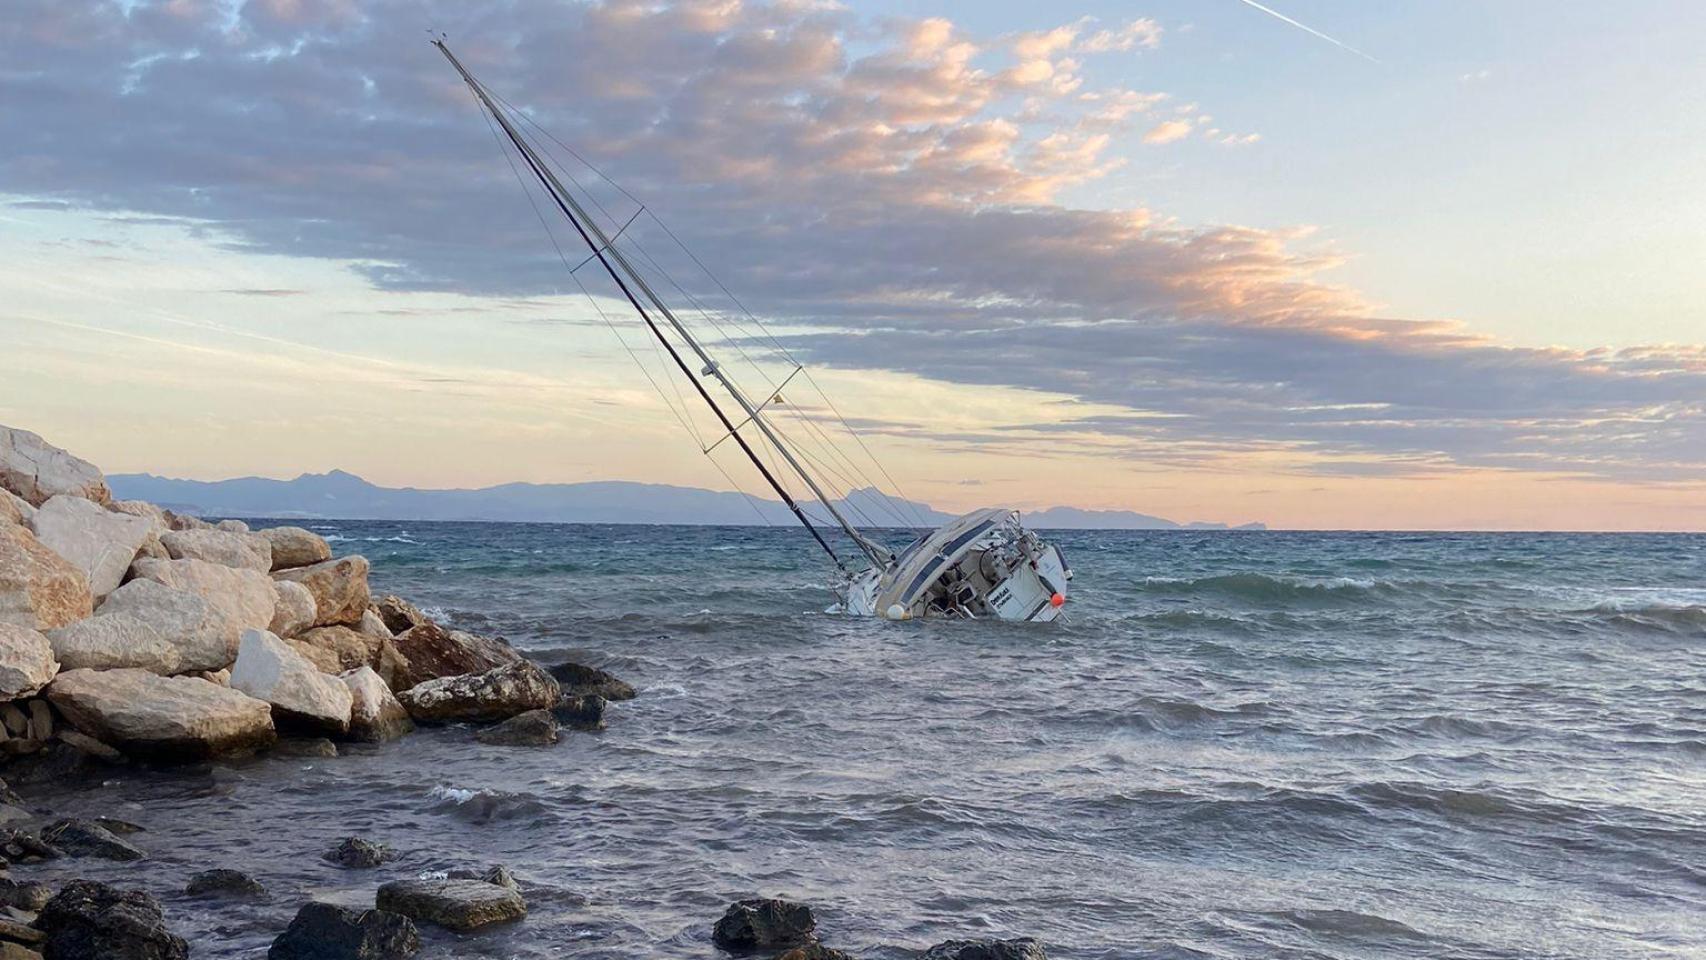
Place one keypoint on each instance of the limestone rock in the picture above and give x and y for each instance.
(293, 611)
(339, 588)
(535, 728)
(39, 589)
(459, 905)
(359, 854)
(114, 641)
(373, 625)
(162, 718)
(583, 681)
(81, 838)
(375, 714)
(301, 696)
(224, 883)
(433, 652)
(1022, 948)
(238, 599)
(324, 931)
(38, 471)
(26, 662)
(144, 509)
(183, 521)
(398, 614)
(493, 695)
(98, 542)
(86, 920)
(338, 648)
(203, 634)
(233, 526)
(764, 924)
(244, 550)
(15, 509)
(295, 547)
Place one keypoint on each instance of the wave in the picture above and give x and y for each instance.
(1270, 589)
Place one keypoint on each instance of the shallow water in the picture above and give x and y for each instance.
(1241, 745)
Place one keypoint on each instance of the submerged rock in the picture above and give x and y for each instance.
(497, 874)
(814, 951)
(433, 653)
(763, 923)
(339, 588)
(39, 589)
(115, 641)
(493, 695)
(301, 696)
(1022, 948)
(295, 547)
(224, 547)
(26, 662)
(578, 680)
(92, 921)
(81, 838)
(324, 931)
(37, 471)
(376, 715)
(356, 853)
(162, 718)
(224, 883)
(309, 747)
(535, 728)
(581, 713)
(96, 541)
(460, 905)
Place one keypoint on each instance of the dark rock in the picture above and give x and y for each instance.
(317, 747)
(83, 838)
(431, 652)
(24, 894)
(1023, 948)
(12, 931)
(224, 883)
(460, 905)
(7, 796)
(583, 681)
(324, 931)
(399, 615)
(498, 875)
(90, 746)
(494, 695)
(22, 846)
(535, 728)
(356, 852)
(813, 951)
(123, 828)
(581, 713)
(764, 923)
(92, 921)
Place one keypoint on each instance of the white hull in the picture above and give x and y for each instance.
(984, 565)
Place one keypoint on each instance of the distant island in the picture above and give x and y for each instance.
(342, 495)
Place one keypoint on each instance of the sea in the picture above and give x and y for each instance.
(1237, 745)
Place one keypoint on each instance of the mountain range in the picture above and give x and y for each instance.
(342, 495)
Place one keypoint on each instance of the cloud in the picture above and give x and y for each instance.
(1168, 131)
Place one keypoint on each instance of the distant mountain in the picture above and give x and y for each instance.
(341, 495)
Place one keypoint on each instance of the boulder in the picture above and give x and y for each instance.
(339, 588)
(15, 509)
(1023, 948)
(295, 547)
(244, 550)
(498, 874)
(87, 920)
(318, 748)
(373, 625)
(359, 854)
(433, 652)
(144, 509)
(339, 648)
(493, 695)
(29, 895)
(96, 541)
(38, 471)
(115, 641)
(39, 588)
(13, 933)
(375, 714)
(583, 681)
(459, 905)
(232, 526)
(224, 883)
(238, 599)
(300, 695)
(162, 718)
(293, 611)
(26, 662)
(82, 838)
(324, 931)
(764, 924)
(183, 521)
(535, 728)
(581, 713)
(398, 614)
(89, 746)
(204, 634)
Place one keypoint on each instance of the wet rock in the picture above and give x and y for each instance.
(460, 905)
(535, 728)
(89, 747)
(237, 599)
(39, 589)
(493, 695)
(12, 931)
(37, 471)
(92, 921)
(581, 713)
(318, 748)
(764, 924)
(204, 636)
(498, 874)
(339, 588)
(8, 796)
(1023, 948)
(295, 547)
(356, 853)
(814, 951)
(26, 663)
(583, 681)
(226, 548)
(224, 883)
(376, 716)
(301, 696)
(433, 652)
(27, 895)
(96, 541)
(398, 614)
(323, 931)
(22, 846)
(114, 641)
(81, 838)
(294, 609)
(171, 719)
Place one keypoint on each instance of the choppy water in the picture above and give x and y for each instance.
(1242, 745)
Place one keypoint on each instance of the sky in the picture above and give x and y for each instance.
(1320, 263)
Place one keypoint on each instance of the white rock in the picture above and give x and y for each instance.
(38, 588)
(240, 599)
(26, 662)
(294, 610)
(144, 509)
(15, 509)
(373, 625)
(36, 470)
(223, 547)
(339, 588)
(114, 641)
(268, 669)
(205, 635)
(295, 547)
(375, 714)
(232, 526)
(99, 542)
(165, 718)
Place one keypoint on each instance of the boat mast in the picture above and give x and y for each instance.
(612, 259)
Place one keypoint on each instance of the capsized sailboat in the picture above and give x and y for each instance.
(984, 565)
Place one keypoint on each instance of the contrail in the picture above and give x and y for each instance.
(1305, 27)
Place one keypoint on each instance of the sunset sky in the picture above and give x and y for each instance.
(1409, 264)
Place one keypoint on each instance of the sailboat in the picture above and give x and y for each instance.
(984, 565)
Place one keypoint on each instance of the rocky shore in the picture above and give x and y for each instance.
(132, 635)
